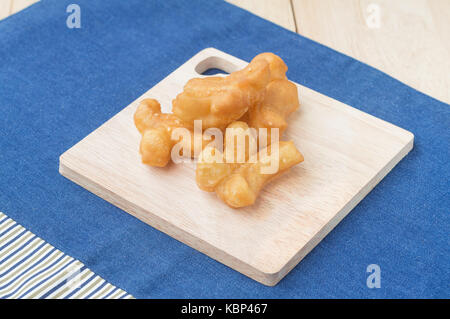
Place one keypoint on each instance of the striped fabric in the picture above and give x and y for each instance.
(30, 268)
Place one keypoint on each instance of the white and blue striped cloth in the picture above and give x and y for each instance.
(30, 268)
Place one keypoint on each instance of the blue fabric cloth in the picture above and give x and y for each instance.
(59, 84)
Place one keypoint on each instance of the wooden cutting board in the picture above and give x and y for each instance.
(347, 152)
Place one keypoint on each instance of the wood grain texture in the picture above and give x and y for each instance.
(18, 5)
(347, 152)
(412, 42)
(279, 11)
(5, 8)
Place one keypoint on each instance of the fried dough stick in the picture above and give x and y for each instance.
(280, 100)
(242, 187)
(218, 101)
(156, 129)
(277, 66)
(213, 165)
(239, 183)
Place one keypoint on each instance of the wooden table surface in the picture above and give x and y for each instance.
(407, 39)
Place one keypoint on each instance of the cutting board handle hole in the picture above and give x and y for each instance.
(214, 71)
(215, 65)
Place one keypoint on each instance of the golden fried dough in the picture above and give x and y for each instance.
(237, 181)
(218, 101)
(242, 187)
(157, 138)
(256, 97)
(156, 129)
(280, 100)
(213, 165)
(277, 66)
(211, 171)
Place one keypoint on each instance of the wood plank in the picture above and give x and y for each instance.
(279, 12)
(347, 152)
(412, 42)
(18, 5)
(5, 8)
